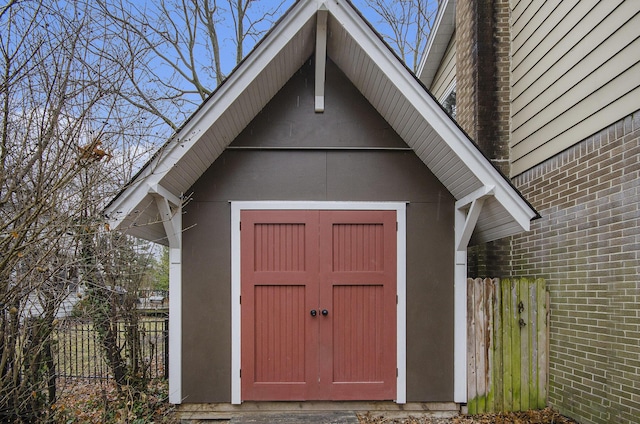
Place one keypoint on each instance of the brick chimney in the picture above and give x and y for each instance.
(483, 103)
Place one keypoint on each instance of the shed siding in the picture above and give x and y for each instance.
(446, 74)
(570, 80)
(319, 175)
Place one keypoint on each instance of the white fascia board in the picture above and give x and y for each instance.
(212, 109)
(431, 112)
(441, 33)
(126, 202)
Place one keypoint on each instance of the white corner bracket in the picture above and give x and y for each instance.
(164, 201)
(170, 209)
(321, 56)
(473, 202)
(467, 212)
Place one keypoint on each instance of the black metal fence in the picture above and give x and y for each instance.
(78, 353)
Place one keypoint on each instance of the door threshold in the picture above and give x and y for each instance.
(255, 410)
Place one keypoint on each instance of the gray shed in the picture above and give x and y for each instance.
(322, 254)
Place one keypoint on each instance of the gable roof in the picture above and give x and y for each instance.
(383, 79)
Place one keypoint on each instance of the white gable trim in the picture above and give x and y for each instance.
(401, 328)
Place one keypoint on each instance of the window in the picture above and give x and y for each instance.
(449, 102)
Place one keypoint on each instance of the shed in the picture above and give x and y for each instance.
(321, 255)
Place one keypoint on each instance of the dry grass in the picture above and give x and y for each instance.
(98, 401)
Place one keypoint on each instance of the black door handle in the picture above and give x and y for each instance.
(313, 313)
(325, 312)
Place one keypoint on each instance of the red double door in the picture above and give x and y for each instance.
(318, 305)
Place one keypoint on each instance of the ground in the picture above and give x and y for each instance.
(97, 401)
(545, 416)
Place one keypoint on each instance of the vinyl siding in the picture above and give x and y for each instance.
(446, 74)
(575, 69)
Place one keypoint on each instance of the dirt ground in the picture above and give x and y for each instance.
(97, 401)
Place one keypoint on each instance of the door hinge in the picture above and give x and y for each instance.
(397, 373)
(396, 226)
(396, 299)
(241, 373)
(240, 225)
(240, 299)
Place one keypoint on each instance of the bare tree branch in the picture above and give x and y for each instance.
(405, 25)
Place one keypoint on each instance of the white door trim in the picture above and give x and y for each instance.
(401, 337)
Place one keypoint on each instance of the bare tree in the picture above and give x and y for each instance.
(404, 24)
(58, 119)
(175, 52)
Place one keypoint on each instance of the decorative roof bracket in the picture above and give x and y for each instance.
(474, 202)
(321, 56)
(164, 200)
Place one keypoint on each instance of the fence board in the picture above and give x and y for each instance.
(472, 387)
(489, 297)
(523, 331)
(498, 344)
(507, 348)
(481, 336)
(532, 321)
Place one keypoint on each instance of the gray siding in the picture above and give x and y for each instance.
(331, 174)
(575, 69)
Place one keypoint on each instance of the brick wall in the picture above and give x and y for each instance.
(466, 63)
(482, 76)
(483, 99)
(587, 247)
(587, 243)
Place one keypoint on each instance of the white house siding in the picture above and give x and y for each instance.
(446, 74)
(570, 80)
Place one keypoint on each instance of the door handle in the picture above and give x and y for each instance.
(325, 312)
(313, 313)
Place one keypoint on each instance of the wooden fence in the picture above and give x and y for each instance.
(507, 350)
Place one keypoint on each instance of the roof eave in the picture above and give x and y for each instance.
(441, 33)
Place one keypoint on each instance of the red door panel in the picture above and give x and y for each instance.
(358, 277)
(339, 261)
(358, 351)
(279, 334)
(278, 282)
